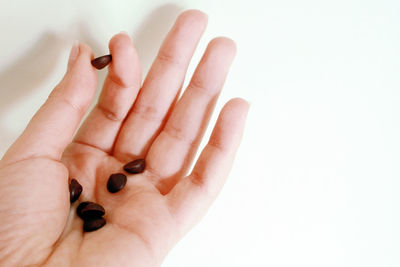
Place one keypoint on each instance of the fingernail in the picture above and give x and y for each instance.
(73, 55)
(124, 32)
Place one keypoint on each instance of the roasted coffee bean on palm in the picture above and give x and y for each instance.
(93, 224)
(116, 182)
(92, 210)
(81, 206)
(136, 166)
(75, 190)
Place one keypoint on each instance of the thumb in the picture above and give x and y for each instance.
(52, 127)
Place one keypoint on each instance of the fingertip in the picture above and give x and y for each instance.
(235, 110)
(82, 65)
(192, 20)
(85, 51)
(125, 32)
(194, 14)
(224, 45)
(120, 39)
(73, 54)
(240, 103)
(121, 48)
(80, 81)
(125, 60)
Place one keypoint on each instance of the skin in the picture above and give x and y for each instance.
(39, 226)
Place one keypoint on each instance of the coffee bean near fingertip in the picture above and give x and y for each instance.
(136, 166)
(116, 182)
(101, 62)
(75, 190)
(93, 224)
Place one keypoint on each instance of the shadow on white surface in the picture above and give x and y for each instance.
(150, 34)
(30, 71)
(23, 77)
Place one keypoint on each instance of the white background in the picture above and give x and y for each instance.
(316, 180)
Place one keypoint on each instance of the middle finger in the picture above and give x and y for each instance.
(161, 86)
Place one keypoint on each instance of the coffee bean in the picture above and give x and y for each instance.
(92, 210)
(116, 182)
(93, 224)
(136, 166)
(81, 206)
(101, 62)
(75, 190)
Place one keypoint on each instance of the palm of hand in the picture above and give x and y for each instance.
(156, 208)
(139, 224)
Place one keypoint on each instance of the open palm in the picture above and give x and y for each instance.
(38, 225)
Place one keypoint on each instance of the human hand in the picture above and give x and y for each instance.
(39, 226)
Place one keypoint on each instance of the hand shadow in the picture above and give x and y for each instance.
(150, 34)
(31, 69)
(26, 75)
(147, 40)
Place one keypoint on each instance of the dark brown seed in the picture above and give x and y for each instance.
(136, 166)
(93, 224)
(81, 206)
(101, 62)
(116, 182)
(75, 190)
(92, 210)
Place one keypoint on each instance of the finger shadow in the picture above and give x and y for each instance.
(30, 70)
(150, 34)
(25, 75)
(147, 38)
